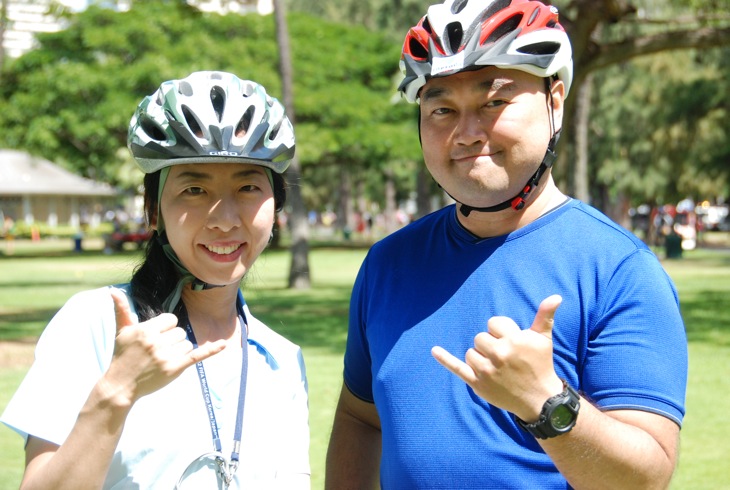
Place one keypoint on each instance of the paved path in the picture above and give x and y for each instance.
(16, 354)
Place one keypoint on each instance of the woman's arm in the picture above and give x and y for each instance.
(147, 356)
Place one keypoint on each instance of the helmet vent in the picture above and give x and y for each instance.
(152, 130)
(185, 88)
(275, 131)
(494, 8)
(540, 48)
(417, 50)
(454, 34)
(506, 27)
(458, 6)
(247, 90)
(192, 122)
(427, 26)
(218, 99)
(244, 123)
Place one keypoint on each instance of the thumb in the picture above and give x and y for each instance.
(544, 318)
(122, 310)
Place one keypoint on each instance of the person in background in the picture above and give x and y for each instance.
(170, 381)
(518, 338)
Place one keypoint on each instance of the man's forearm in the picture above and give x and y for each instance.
(621, 449)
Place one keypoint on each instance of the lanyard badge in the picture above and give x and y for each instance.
(225, 468)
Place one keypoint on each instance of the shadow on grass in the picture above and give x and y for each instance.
(38, 284)
(706, 319)
(307, 320)
(65, 254)
(25, 325)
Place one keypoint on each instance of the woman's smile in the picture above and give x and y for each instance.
(224, 253)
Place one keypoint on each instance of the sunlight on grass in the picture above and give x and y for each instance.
(33, 285)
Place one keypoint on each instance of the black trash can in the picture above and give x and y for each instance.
(673, 245)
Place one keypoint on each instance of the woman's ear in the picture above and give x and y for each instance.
(153, 221)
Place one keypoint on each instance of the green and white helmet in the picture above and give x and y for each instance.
(210, 116)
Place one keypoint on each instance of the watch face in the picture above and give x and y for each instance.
(561, 417)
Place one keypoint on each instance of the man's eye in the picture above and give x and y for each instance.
(249, 188)
(495, 103)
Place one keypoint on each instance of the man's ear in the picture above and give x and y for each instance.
(557, 99)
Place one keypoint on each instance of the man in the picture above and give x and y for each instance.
(575, 358)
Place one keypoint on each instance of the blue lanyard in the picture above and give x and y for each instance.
(226, 473)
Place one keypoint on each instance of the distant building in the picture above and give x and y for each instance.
(25, 19)
(33, 189)
(223, 7)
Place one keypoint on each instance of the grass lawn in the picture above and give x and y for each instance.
(38, 279)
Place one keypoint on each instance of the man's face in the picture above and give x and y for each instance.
(485, 132)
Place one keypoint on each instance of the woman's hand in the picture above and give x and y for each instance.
(148, 355)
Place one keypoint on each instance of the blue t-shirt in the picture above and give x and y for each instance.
(618, 338)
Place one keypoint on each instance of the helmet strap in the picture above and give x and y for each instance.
(186, 277)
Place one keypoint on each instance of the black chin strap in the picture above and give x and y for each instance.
(518, 202)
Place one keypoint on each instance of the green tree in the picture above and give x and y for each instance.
(70, 100)
(659, 130)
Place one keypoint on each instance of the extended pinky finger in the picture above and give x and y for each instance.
(453, 364)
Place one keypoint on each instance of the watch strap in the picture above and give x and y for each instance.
(544, 428)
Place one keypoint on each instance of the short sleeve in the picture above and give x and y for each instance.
(72, 353)
(637, 353)
(358, 374)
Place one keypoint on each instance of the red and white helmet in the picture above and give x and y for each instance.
(460, 35)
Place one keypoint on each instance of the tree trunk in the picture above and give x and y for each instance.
(390, 205)
(582, 120)
(345, 208)
(423, 194)
(299, 276)
(3, 27)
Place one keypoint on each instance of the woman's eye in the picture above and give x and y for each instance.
(249, 188)
(194, 191)
(495, 103)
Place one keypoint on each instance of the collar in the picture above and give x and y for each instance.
(259, 335)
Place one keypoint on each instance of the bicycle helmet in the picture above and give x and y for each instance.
(460, 35)
(214, 117)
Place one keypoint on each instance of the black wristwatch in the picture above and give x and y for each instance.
(558, 415)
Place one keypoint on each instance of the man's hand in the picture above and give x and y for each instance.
(149, 355)
(511, 368)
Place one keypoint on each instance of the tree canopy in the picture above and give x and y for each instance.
(71, 99)
(657, 129)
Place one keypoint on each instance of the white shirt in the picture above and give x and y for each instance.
(167, 430)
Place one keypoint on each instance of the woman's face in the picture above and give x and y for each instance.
(218, 218)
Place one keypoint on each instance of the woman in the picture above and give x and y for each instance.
(145, 385)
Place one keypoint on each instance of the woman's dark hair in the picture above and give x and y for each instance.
(156, 277)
